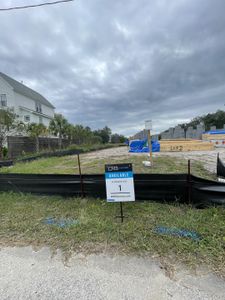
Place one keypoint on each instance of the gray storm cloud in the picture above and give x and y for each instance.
(119, 63)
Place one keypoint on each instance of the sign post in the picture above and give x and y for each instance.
(148, 127)
(119, 184)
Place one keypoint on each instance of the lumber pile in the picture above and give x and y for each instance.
(185, 145)
(217, 139)
(209, 137)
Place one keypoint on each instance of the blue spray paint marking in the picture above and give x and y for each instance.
(178, 232)
(60, 222)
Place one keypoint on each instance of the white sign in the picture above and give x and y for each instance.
(119, 183)
(148, 124)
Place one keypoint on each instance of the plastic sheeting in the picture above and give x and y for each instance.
(207, 192)
(141, 146)
(154, 187)
(6, 163)
(59, 153)
(218, 131)
(220, 168)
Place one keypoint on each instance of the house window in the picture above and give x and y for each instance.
(27, 118)
(3, 100)
(38, 107)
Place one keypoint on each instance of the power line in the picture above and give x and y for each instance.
(34, 5)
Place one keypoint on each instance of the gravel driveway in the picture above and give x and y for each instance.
(25, 274)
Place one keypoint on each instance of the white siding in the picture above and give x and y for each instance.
(48, 111)
(24, 101)
(5, 88)
(24, 106)
(30, 104)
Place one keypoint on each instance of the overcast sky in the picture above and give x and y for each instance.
(120, 62)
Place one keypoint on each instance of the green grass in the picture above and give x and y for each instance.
(69, 165)
(83, 148)
(22, 224)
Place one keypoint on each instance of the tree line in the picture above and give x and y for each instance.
(211, 119)
(59, 127)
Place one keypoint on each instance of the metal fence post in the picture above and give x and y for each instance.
(189, 182)
(81, 177)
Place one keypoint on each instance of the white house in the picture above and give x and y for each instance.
(28, 105)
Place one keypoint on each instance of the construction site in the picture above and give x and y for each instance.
(178, 139)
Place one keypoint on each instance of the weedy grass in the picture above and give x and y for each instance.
(83, 148)
(69, 165)
(22, 223)
(22, 216)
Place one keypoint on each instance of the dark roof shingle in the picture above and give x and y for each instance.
(25, 91)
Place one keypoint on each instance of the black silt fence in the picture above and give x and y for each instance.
(58, 153)
(179, 188)
(220, 167)
(6, 163)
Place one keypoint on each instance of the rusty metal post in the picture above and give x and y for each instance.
(81, 177)
(121, 216)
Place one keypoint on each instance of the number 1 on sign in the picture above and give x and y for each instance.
(120, 188)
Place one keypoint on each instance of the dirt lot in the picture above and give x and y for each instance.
(207, 157)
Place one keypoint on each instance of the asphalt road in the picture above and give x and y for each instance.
(26, 274)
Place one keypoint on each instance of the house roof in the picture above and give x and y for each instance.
(25, 91)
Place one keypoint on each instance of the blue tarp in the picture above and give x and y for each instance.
(218, 131)
(140, 146)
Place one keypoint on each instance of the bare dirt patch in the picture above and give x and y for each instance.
(208, 158)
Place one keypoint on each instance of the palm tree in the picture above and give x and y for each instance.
(58, 126)
(36, 130)
(69, 132)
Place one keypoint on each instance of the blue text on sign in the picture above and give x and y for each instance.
(113, 175)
